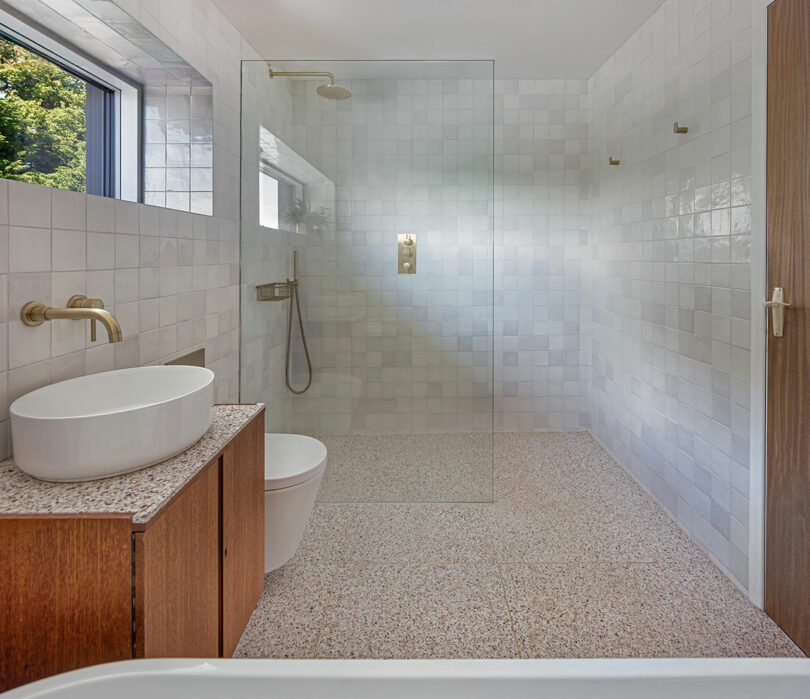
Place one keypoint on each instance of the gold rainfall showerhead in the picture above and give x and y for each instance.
(330, 91)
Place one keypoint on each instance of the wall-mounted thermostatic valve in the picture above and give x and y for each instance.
(406, 253)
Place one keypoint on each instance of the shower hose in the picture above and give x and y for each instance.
(295, 297)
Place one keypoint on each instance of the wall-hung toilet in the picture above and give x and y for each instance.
(293, 468)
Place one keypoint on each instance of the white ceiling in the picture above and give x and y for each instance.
(527, 38)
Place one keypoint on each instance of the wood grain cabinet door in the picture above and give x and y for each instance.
(242, 531)
(177, 575)
(65, 594)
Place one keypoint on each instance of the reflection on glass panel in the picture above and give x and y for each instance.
(268, 200)
(402, 387)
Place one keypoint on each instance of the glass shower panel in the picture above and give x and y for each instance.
(400, 335)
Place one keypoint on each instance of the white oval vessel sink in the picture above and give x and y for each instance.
(111, 423)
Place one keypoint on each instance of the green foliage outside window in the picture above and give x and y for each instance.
(42, 120)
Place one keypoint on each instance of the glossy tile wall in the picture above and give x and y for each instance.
(179, 147)
(407, 154)
(667, 276)
(541, 226)
(170, 277)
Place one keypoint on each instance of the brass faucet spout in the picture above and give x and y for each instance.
(79, 308)
(106, 318)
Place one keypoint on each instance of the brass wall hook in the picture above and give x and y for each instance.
(677, 128)
(613, 161)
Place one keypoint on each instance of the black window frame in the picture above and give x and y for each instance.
(100, 123)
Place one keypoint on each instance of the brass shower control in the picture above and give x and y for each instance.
(406, 257)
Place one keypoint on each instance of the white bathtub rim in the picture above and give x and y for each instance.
(316, 669)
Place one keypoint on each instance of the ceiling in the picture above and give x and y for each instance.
(527, 38)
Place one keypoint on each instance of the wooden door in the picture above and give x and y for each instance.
(242, 531)
(66, 591)
(787, 590)
(177, 575)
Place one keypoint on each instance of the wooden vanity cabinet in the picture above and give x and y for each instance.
(65, 594)
(199, 564)
(83, 589)
(242, 550)
(177, 575)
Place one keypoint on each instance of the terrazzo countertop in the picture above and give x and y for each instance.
(142, 493)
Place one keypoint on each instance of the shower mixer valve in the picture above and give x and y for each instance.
(406, 257)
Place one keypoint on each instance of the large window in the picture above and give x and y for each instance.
(66, 121)
(56, 128)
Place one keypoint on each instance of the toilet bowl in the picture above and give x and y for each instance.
(293, 468)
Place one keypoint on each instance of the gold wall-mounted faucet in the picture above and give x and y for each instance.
(79, 307)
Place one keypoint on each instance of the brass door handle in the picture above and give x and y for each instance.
(777, 305)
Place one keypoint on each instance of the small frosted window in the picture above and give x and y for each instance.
(268, 201)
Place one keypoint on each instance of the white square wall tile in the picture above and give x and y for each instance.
(3, 249)
(128, 315)
(68, 336)
(69, 210)
(127, 217)
(29, 205)
(127, 251)
(4, 395)
(28, 378)
(3, 202)
(127, 284)
(101, 285)
(29, 249)
(68, 366)
(100, 214)
(67, 284)
(149, 220)
(100, 250)
(3, 298)
(27, 345)
(68, 250)
(100, 358)
(3, 349)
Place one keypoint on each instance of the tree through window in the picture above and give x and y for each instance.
(54, 125)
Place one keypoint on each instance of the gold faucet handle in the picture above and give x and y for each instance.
(81, 301)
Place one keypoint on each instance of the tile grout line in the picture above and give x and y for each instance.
(493, 548)
(521, 651)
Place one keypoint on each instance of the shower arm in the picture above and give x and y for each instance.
(300, 74)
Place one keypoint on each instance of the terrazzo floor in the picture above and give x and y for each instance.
(573, 559)
(429, 467)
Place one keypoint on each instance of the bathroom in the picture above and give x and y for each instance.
(484, 299)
